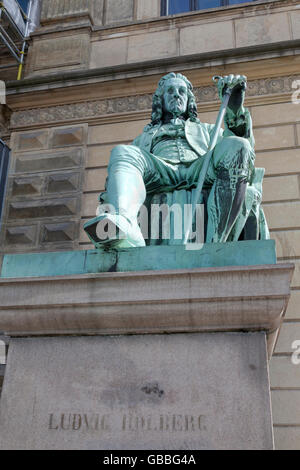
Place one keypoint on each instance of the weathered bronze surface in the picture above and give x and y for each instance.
(167, 159)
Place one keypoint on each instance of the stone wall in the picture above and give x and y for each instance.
(100, 12)
(89, 88)
(129, 40)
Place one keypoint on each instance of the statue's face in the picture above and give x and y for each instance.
(175, 96)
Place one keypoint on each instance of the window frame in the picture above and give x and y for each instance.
(193, 6)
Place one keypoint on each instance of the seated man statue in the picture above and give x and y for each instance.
(168, 156)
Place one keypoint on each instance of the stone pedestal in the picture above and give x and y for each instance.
(173, 359)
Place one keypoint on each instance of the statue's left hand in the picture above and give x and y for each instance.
(238, 83)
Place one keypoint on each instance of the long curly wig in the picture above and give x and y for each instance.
(157, 101)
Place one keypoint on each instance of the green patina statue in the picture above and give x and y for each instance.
(168, 156)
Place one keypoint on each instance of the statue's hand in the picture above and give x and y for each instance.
(238, 84)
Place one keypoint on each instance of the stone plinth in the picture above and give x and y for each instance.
(185, 391)
(153, 359)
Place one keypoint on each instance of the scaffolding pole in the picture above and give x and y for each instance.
(22, 25)
(22, 52)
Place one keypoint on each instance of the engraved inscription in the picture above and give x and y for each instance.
(77, 421)
(127, 422)
(163, 422)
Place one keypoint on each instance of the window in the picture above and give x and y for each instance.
(172, 7)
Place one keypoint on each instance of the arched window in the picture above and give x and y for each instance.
(172, 7)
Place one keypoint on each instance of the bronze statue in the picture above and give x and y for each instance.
(168, 156)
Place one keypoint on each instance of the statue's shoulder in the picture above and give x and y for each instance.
(144, 140)
(196, 126)
(150, 128)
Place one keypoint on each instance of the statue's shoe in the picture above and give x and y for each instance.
(113, 231)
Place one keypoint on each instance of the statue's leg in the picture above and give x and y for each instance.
(125, 185)
(125, 193)
(233, 161)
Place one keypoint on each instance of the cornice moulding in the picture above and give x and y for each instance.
(153, 67)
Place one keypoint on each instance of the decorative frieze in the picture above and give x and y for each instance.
(93, 109)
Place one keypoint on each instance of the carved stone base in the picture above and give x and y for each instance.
(181, 391)
(172, 359)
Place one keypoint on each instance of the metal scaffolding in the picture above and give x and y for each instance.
(16, 26)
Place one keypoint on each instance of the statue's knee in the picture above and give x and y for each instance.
(123, 153)
(119, 150)
(126, 157)
(236, 144)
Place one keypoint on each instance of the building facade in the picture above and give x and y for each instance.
(90, 72)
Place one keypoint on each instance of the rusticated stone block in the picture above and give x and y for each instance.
(26, 186)
(109, 52)
(287, 437)
(43, 208)
(58, 232)
(295, 21)
(289, 215)
(49, 161)
(148, 9)
(24, 235)
(274, 137)
(119, 11)
(262, 29)
(280, 188)
(156, 45)
(67, 136)
(35, 140)
(95, 179)
(89, 205)
(61, 183)
(59, 53)
(293, 310)
(273, 161)
(56, 10)
(282, 372)
(116, 132)
(206, 37)
(286, 406)
(98, 155)
(278, 113)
